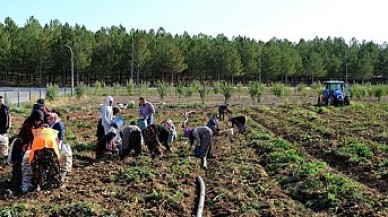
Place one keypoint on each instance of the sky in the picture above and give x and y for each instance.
(258, 19)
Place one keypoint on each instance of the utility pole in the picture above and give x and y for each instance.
(72, 68)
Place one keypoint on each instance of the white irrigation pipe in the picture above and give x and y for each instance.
(201, 201)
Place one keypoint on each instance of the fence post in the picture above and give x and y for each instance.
(5, 98)
(40, 94)
(29, 95)
(18, 98)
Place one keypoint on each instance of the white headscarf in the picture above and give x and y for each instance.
(108, 99)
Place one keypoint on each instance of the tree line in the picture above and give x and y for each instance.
(35, 54)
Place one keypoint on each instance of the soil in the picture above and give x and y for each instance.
(237, 183)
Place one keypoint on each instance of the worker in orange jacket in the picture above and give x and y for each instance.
(44, 157)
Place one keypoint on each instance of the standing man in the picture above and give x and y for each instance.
(222, 109)
(5, 120)
(147, 110)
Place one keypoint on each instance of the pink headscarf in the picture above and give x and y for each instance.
(55, 118)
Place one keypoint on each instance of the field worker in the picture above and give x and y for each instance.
(212, 124)
(131, 140)
(240, 122)
(55, 123)
(147, 110)
(21, 145)
(117, 118)
(222, 109)
(44, 157)
(155, 136)
(107, 146)
(41, 105)
(200, 138)
(107, 114)
(171, 127)
(5, 122)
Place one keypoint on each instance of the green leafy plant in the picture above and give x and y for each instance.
(80, 91)
(301, 89)
(97, 87)
(52, 92)
(203, 92)
(217, 87)
(359, 91)
(226, 90)
(378, 92)
(130, 86)
(162, 89)
(189, 91)
(280, 91)
(180, 90)
(255, 89)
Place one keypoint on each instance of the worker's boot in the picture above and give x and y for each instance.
(204, 162)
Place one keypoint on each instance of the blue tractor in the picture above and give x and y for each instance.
(335, 93)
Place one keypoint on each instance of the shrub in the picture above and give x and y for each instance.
(129, 86)
(227, 91)
(189, 91)
(162, 89)
(359, 91)
(301, 89)
(97, 87)
(317, 88)
(216, 87)
(80, 91)
(378, 92)
(52, 92)
(255, 89)
(203, 92)
(180, 90)
(116, 88)
(280, 90)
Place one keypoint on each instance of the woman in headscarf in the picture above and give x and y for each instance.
(107, 146)
(155, 136)
(44, 157)
(107, 114)
(56, 124)
(201, 139)
(171, 127)
(24, 141)
(131, 140)
(212, 124)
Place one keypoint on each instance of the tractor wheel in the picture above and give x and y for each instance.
(330, 101)
(346, 100)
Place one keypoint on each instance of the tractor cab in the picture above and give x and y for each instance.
(335, 93)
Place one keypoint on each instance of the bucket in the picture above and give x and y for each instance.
(142, 123)
(119, 121)
(4, 145)
(27, 175)
(229, 132)
(197, 151)
(171, 137)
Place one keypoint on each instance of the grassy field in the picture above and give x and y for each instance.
(297, 159)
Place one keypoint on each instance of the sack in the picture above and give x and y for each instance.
(4, 145)
(9, 159)
(27, 174)
(197, 151)
(66, 158)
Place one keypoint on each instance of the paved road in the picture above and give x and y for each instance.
(24, 94)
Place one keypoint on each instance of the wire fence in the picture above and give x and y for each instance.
(19, 95)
